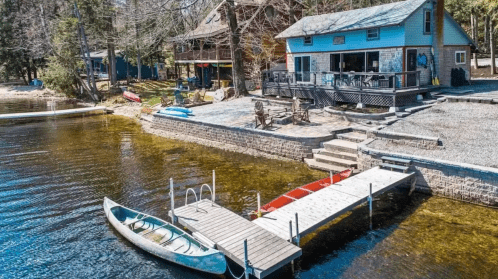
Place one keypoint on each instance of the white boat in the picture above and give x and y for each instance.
(163, 239)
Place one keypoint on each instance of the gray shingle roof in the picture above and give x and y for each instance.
(383, 15)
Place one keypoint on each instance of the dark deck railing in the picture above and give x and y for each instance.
(207, 54)
(347, 80)
(327, 88)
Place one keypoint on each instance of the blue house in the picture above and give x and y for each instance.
(102, 70)
(390, 38)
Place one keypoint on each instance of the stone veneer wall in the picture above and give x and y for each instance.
(292, 147)
(390, 60)
(454, 180)
(450, 63)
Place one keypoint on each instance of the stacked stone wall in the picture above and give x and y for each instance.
(295, 148)
(454, 180)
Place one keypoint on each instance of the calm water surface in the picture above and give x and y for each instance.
(30, 105)
(54, 175)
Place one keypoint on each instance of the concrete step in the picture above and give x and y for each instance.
(341, 145)
(352, 137)
(312, 163)
(336, 154)
(335, 161)
(402, 114)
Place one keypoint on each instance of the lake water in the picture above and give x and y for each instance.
(54, 175)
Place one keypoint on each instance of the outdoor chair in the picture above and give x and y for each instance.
(368, 80)
(179, 100)
(299, 114)
(262, 118)
(165, 101)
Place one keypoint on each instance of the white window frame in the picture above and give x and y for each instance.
(308, 44)
(463, 54)
(375, 38)
(301, 56)
(425, 21)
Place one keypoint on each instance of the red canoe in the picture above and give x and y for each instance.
(300, 192)
(131, 96)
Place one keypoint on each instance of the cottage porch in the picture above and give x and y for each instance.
(327, 88)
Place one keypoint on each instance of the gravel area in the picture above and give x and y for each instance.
(481, 88)
(469, 132)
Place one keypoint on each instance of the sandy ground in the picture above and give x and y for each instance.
(27, 92)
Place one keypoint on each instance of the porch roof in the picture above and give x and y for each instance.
(377, 16)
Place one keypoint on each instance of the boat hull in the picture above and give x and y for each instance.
(212, 262)
(132, 97)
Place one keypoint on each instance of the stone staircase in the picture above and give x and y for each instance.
(338, 154)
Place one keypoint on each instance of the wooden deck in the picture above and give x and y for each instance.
(266, 251)
(50, 113)
(319, 208)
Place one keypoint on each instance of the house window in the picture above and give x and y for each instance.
(427, 22)
(373, 34)
(460, 57)
(302, 66)
(339, 40)
(308, 40)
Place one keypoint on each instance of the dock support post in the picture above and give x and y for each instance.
(172, 198)
(290, 231)
(214, 188)
(297, 231)
(259, 205)
(246, 260)
(370, 201)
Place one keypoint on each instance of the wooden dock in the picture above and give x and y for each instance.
(50, 113)
(319, 208)
(266, 251)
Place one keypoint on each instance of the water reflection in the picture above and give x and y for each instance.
(54, 175)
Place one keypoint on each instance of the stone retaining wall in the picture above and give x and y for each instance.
(454, 180)
(405, 139)
(292, 147)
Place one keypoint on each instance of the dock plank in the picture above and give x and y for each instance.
(323, 206)
(229, 230)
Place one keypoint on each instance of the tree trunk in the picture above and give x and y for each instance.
(28, 70)
(475, 37)
(492, 46)
(139, 58)
(438, 40)
(109, 62)
(237, 56)
(486, 32)
(292, 18)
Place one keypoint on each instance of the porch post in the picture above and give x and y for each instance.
(340, 65)
(202, 74)
(188, 70)
(218, 73)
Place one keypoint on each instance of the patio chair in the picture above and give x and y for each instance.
(165, 101)
(262, 118)
(299, 114)
(368, 80)
(179, 100)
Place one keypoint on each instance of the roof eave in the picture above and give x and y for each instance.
(334, 32)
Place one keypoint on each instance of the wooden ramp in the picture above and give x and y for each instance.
(50, 113)
(266, 251)
(319, 208)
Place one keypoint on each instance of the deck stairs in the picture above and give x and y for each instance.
(338, 154)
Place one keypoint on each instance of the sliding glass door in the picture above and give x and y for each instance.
(302, 67)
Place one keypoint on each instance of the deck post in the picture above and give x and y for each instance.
(214, 188)
(172, 198)
(370, 205)
(246, 260)
(290, 231)
(297, 231)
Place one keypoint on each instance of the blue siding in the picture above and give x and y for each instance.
(453, 33)
(414, 28)
(392, 36)
(147, 72)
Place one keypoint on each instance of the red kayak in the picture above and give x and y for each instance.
(131, 96)
(300, 192)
